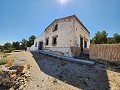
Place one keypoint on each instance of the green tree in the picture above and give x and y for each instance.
(1, 48)
(110, 40)
(24, 44)
(116, 38)
(8, 47)
(100, 38)
(16, 45)
(31, 40)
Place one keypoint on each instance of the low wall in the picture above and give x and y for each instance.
(109, 52)
(66, 51)
(28, 48)
(85, 49)
(75, 50)
(60, 50)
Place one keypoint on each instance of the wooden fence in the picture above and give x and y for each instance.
(109, 52)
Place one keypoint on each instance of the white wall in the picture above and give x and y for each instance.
(64, 32)
(69, 31)
(80, 31)
(40, 38)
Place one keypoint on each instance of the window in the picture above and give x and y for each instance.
(54, 40)
(55, 28)
(85, 44)
(35, 44)
(47, 41)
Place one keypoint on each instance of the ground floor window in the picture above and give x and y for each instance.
(85, 44)
(47, 41)
(35, 44)
(54, 40)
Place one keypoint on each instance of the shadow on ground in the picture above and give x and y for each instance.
(77, 75)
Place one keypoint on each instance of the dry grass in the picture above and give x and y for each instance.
(10, 61)
(28, 66)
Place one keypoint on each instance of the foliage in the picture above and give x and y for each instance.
(3, 61)
(7, 48)
(10, 61)
(24, 44)
(31, 40)
(27, 43)
(1, 49)
(110, 40)
(117, 37)
(28, 66)
(100, 38)
(7, 45)
(16, 45)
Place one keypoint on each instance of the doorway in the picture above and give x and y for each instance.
(40, 47)
(81, 43)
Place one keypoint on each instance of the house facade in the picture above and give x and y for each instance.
(62, 34)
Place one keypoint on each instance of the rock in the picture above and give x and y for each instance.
(20, 69)
(24, 84)
(13, 77)
(21, 87)
(54, 82)
(37, 85)
(26, 75)
(11, 88)
(62, 63)
(21, 80)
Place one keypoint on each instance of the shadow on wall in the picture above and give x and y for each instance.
(80, 76)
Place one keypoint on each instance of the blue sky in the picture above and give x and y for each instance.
(22, 18)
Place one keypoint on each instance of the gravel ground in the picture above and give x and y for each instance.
(48, 73)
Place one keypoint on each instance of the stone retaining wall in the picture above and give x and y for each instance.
(108, 52)
(75, 50)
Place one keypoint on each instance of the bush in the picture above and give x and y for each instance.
(8, 51)
(3, 61)
(28, 66)
(10, 61)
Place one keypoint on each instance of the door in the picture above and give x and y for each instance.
(81, 43)
(40, 46)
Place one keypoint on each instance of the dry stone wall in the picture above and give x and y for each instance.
(109, 52)
(75, 50)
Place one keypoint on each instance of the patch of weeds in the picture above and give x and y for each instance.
(3, 61)
(28, 66)
(54, 82)
(9, 62)
(5, 55)
(65, 81)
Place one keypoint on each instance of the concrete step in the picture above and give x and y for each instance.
(81, 61)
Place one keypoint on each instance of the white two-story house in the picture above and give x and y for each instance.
(62, 34)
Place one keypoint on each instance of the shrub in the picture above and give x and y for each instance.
(10, 61)
(3, 61)
(28, 66)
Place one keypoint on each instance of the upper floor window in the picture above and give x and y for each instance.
(55, 27)
(85, 44)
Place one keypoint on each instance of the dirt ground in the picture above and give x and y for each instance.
(48, 73)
